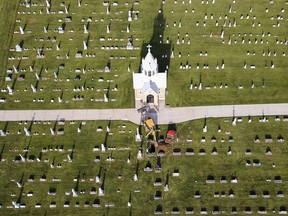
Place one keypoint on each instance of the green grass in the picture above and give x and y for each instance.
(8, 14)
(194, 170)
(146, 30)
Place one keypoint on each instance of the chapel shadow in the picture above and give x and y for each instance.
(160, 48)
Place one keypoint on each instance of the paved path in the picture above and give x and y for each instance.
(164, 116)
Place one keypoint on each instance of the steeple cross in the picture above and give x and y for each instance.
(149, 47)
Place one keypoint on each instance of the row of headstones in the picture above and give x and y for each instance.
(95, 204)
(60, 131)
(277, 41)
(252, 193)
(261, 119)
(79, 54)
(199, 87)
(269, 53)
(60, 100)
(187, 66)
(75, 89)
(225, 23)
(268, 138)
(202, 151)
(190, 1)
(216, 210)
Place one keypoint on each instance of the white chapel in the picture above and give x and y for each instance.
(149, 84)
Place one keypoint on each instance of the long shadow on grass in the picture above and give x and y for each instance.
(106, 134)
(27, 149)
(77, 183)
(22, 187)
(1, 153)
(31, 123)
(159, 50)
(38, 80)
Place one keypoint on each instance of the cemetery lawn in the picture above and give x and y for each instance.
(258, 40)
(118, 175)
(7, 16)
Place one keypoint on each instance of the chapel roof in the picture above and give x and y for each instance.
(149, 85)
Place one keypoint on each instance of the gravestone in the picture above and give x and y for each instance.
(129, 16)
(18, 48)
(85, 29)
(10, 90)
(85, 47)
(138, 137)
(27, 132)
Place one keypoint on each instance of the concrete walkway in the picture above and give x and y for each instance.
(164, 116)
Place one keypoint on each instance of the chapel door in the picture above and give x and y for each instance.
(150, 98)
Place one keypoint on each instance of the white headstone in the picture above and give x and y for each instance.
(55, 75)
(101, 192)
(135, 178)
(21, 30)
(74, 192)
(205, 129)
(191, 86)
(85, 29)
(18, 48)
(234, 121)
(52, 131)
(222, 34)
(23, 159)
(15, 69)
(108, 29)
(66, 10)
(129, 44)
(138, 137)
(37, 76)
(98, 180)
(106, 98)
(19, 184)
(27, 4)
(27, 132)
(48, 4)
(47, 10)
(139, 155)
(15, 204)
(103, 149)
(2, 133)
(33, 88)
(166, 187)
(129, 16)
(39, 53)
(85, 45)
(69, 158)
(10, 90)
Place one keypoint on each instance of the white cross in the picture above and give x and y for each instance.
(149, 47)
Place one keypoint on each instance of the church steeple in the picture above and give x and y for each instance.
(149, 66)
